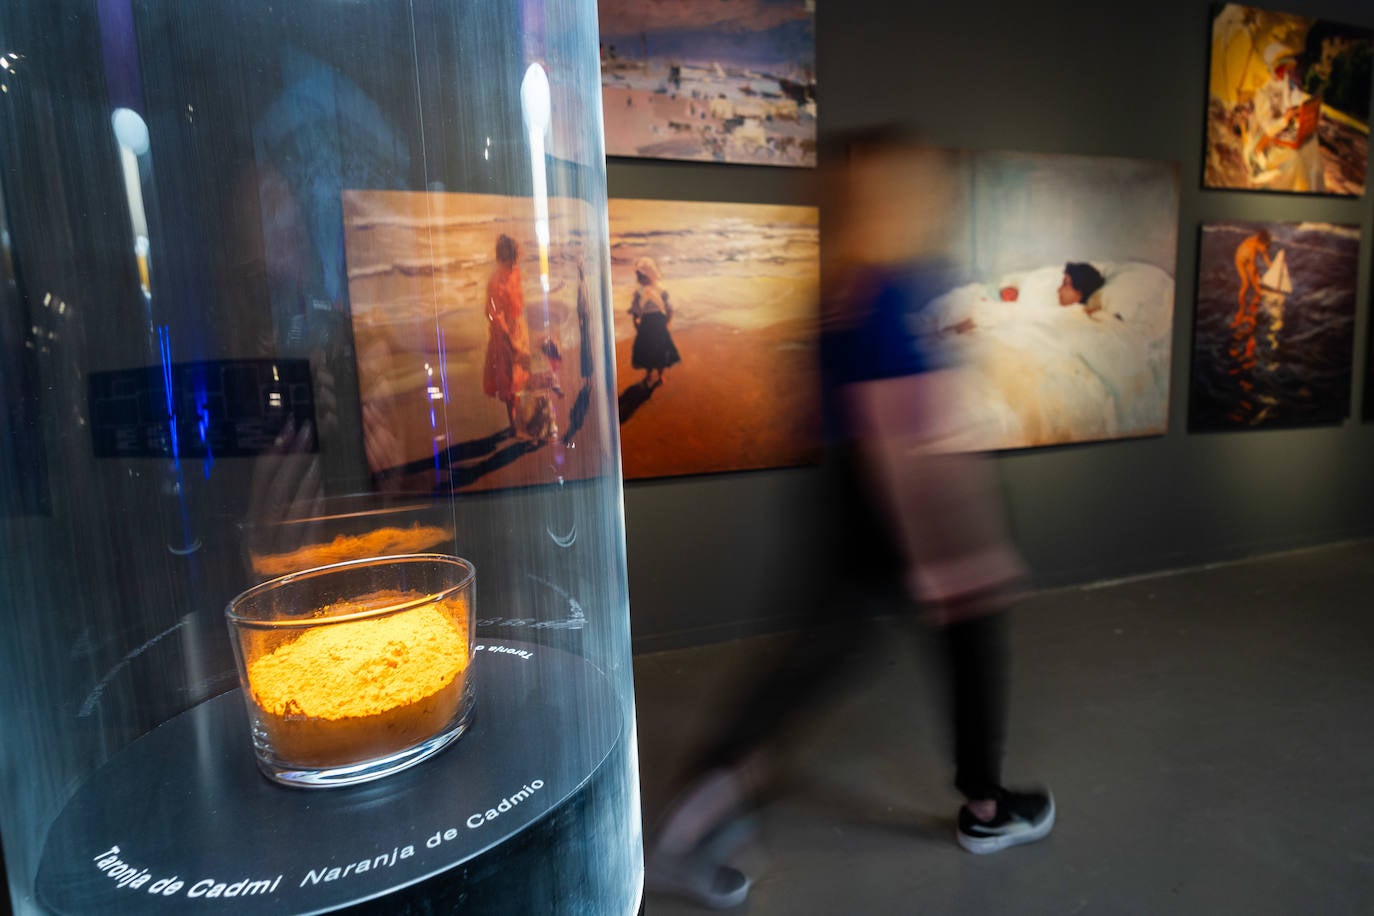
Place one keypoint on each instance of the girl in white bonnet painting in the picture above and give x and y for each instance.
(654, 350)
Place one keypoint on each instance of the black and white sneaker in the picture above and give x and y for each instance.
(1022, 817)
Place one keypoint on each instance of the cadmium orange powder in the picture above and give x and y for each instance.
(346, 692)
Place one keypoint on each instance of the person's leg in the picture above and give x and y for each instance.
(976, 655)
(727, 774)
(1243, 299)
(727, 779)
(816, 660)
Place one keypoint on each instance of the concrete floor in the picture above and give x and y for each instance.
(1208, 736)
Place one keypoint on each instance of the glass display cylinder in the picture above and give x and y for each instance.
(288, 287)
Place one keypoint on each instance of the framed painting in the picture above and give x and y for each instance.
(478, 353)
(1060, 301)
(715, 311)
(710, 81)
(1287, 103)
(1274, 334)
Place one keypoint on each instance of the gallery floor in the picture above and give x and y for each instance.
(1207, 735)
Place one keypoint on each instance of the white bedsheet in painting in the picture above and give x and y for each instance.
(1038, 373)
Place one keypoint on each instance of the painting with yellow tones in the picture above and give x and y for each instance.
(715, 319)
(1288, 103)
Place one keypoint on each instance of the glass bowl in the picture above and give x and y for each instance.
(356, 670)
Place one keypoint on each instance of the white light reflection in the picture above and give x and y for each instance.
(132, 133)
(130, 130)
(534, 101)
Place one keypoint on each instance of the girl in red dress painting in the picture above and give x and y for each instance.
(507, 368)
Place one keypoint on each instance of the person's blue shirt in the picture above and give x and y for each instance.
(880, 344)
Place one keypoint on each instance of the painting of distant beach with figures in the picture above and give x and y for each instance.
(1274, 338)
(1288, 103)
(710, 80)
(474, 372)
(715, 311)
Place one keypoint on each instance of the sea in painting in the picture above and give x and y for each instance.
(1275, 323)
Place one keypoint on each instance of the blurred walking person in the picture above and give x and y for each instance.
(911, 521)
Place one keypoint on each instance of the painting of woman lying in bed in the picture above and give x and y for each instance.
(1067, 352)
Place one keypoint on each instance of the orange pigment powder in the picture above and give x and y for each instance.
(347, 692)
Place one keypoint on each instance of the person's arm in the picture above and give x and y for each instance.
(494, 311)
(667, 310)
(943, 500)
(497, 318)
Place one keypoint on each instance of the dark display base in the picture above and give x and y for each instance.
(182, 820)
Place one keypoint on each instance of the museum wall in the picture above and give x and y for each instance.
(712, 557)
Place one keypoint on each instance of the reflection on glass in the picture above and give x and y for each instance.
(249, 253)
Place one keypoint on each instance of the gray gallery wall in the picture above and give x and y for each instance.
(712, 557)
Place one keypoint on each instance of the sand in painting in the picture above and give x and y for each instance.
(743, 282)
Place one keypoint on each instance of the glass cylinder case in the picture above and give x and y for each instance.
(312, 565)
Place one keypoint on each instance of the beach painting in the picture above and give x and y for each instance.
(1059, 302)
(715, 311)
(1288, 103)
(480, 358)
(710, 80)
(1274, 334)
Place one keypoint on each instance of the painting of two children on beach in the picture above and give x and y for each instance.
(472, 377)
(1274, 339)
(1288, 103)
(1061, 300)
(707, 80)
(473, 373)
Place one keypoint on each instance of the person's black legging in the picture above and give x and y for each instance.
(864, 570)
